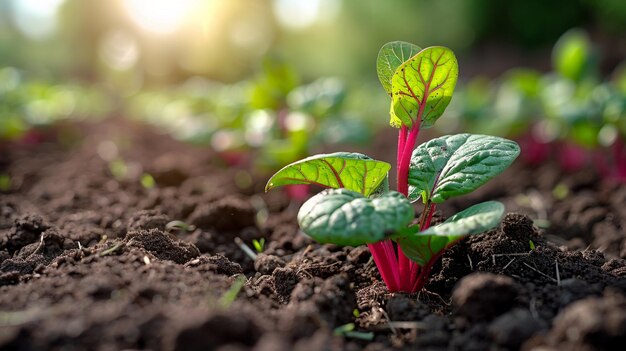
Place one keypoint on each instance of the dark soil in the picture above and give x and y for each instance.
(89, 262)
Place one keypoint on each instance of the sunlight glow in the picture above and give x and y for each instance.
(159, 16)
(300, 14)
(36, 18)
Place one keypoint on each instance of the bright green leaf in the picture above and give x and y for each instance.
(390, 57)
(423, 86)
(353, 171)
(345, 217)
(572, 54)
(147, 181)
(423, 246)
(454, 165)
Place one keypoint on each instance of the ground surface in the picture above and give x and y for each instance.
(87, 263)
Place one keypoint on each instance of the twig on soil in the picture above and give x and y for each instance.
(558, 274)
(533, 308)
(245, 248)
(493, 257)
(80, 246)
(538, 271)
(402, 325)
(508, 264)
(38, 246)
(391, 327)
(433, 293)
(470, 262)
(308, 249)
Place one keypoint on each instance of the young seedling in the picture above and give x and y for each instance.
(259, 245)
(177, 225)
(360, 208)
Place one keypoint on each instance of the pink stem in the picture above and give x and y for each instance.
(393, 261)
(422, 278)
(407, 268)
(401, 142)
(415, 269)
(405, 160)
(385, 265)
(404, 264)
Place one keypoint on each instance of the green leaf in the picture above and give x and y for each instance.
(572, 54)
(344, 217)
(423, 246)
(454, 165)
(422, 87)
(390, 57)
(353, 171)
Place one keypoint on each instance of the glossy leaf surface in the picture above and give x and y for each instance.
(454, 165)
(421, 247)
(390, 57)
(353, 171)
(422, 87)
(345, 217)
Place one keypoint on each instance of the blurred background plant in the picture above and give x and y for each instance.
(283, 77)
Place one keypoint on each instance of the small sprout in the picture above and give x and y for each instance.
(356, 313)
(532, 245)
(229, 296)
(560, 191)
(147, 181)
(259, 245)
(347, 331)
(111, 250)
(342, 329)
(245, 248)
(118, 169)
(360, 209)
(5, 182)
(179, 225)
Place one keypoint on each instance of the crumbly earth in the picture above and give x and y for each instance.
(89, 260)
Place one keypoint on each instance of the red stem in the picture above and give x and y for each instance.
(384, 264)
(401, 142)
(404, 264)
(406, 144)
(422, 278)
(405, 160)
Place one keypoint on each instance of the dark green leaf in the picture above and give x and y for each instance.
(390, 57)
(421, 247)
(423, 87)
(353, 171)
(454, 165)
(345, 217)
